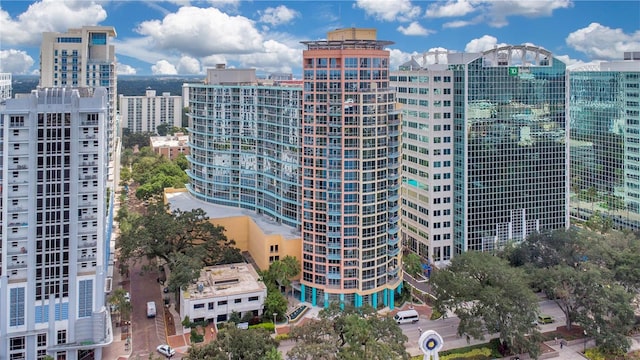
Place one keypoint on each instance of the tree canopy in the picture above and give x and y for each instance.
(185, 240)
(591, 275)
(237, 344)
(487, 294)
(350, 333)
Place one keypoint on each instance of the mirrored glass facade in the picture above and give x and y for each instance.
(510, 146)
(605, 142)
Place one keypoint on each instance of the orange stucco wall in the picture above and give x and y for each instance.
(250, 237)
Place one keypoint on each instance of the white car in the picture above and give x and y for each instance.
(166, 350)
(127, 296)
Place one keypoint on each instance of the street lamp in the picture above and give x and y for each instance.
(274, 322)
(585, 341)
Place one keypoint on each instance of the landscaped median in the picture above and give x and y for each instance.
(485, 351)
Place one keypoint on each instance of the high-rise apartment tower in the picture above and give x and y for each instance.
(82, 58)
(350, 172)
(54, 224)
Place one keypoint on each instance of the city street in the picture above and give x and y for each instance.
(147, 333)
(448, 327)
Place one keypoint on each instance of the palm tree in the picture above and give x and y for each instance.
(413, 267)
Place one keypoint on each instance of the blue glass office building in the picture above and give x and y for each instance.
(605, 141)
(510, 145)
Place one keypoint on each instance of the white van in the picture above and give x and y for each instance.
(407, 316)
(151, 309)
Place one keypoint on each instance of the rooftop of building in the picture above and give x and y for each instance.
(177, 139)
(223, 281)
(185, 201)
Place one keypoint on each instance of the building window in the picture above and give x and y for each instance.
(198, 306)
(16, 307)
(237, 301)
(85, 298)
(42, 340)
(273, 248)
(223, 302)
(62, 336)
(253, 298)
(16, 343)
(210, 306)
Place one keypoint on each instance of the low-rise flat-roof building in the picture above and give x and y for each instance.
(171, 145)
(221, 290)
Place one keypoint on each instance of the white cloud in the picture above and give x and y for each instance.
(188, 65)
(213, 60)
(449, 9)
(201, 32)
(163, 67)
(15, 61)
(435, 55)
(389, 10)
(278, 16)
(224, 3)
(124, 69)
(481, 44)
(498, 11)
(571, 63)
(399, 57)
(458, 24)
(138, 48)
(48, 15)
(492, 12)
(602, 42)
(414, 29)
(277, 57)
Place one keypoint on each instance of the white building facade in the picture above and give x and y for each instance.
(426, 95)
(53, 254)
(82, 57)
(220, 291)
(5, 86)
(146, 113)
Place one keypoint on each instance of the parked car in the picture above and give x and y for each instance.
(545, 319)
(166, 350)
(127, 296)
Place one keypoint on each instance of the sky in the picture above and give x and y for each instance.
(186, 37)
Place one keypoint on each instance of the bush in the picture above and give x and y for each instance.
(475, 354)
(435, 315)
(267, 326)
(282, 337)
(195, 337)
(594, 354)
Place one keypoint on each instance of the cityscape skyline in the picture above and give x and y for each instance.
(161, 37)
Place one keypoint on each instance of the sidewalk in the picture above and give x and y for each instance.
(118, 349)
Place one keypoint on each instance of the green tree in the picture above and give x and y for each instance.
(236, 344)
(139, 139)
(282, 271)
(349, 333)
(275, 302)
(412, 264)
(184, 240)
(121, 304)
(487, 294)
(182, 162)
(163, 129)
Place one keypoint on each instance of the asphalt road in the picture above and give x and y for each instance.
(448, 328)
(147, 333)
